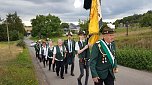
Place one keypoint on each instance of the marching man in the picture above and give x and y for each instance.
(103, 63)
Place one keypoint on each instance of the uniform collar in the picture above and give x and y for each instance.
(106, 42)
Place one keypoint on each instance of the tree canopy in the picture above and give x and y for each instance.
(84, 25)
(64, 25)
(144, 20)
(15, 26)
(46, 26)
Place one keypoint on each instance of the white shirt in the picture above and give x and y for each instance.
(77, 45)
(40, 52)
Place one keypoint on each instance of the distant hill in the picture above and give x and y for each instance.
(142, 20)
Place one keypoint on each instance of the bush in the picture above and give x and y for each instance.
(21, 43)
(135, 58)
(14, 35)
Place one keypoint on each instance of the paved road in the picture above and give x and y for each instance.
(126, 76)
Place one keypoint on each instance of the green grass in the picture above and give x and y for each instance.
(11, 42)
(18, 71)
(121, 30)
(141, 40)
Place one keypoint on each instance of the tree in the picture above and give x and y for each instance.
(84, 25)
(64, 25)
(46, 26)
(146, 21)
(15, 27)
(3, 33)
(15, 23)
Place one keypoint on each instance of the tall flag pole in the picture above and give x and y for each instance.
(95, 19)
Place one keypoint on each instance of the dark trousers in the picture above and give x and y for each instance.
(53, 65)
(83, 66)
(60, 68)
(108, 81)
(72, 67)
(40, 57)
(37, 54)
(69, 60)
(44, 60)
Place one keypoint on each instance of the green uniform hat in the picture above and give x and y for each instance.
(107, 30)
(82, 33)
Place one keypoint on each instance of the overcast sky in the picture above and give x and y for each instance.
(64, 9)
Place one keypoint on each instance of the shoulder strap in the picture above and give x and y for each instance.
(52, 48)
(107, 51)
(80, 45)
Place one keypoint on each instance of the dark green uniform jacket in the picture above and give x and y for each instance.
(37, 48)
(50, 52)
(86, 53)
(100, 68)
(59, 55)
(73, 47)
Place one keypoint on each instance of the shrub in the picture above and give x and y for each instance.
(14, 35)
(21, 43)
(135, 58)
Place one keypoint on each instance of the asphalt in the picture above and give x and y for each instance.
(125, 76)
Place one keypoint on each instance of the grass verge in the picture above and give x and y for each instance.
(18, 71)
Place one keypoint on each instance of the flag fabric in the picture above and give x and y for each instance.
(87, 4)
(95, 21)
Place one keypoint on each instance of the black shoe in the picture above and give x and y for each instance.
(57, 74)
(79, 82)
(66, 72)
(53, 70)
(72, 74)
(62, 77)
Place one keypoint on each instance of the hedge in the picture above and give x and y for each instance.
(140, 59)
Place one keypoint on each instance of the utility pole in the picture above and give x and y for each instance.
(127, 28)
(8, 38)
